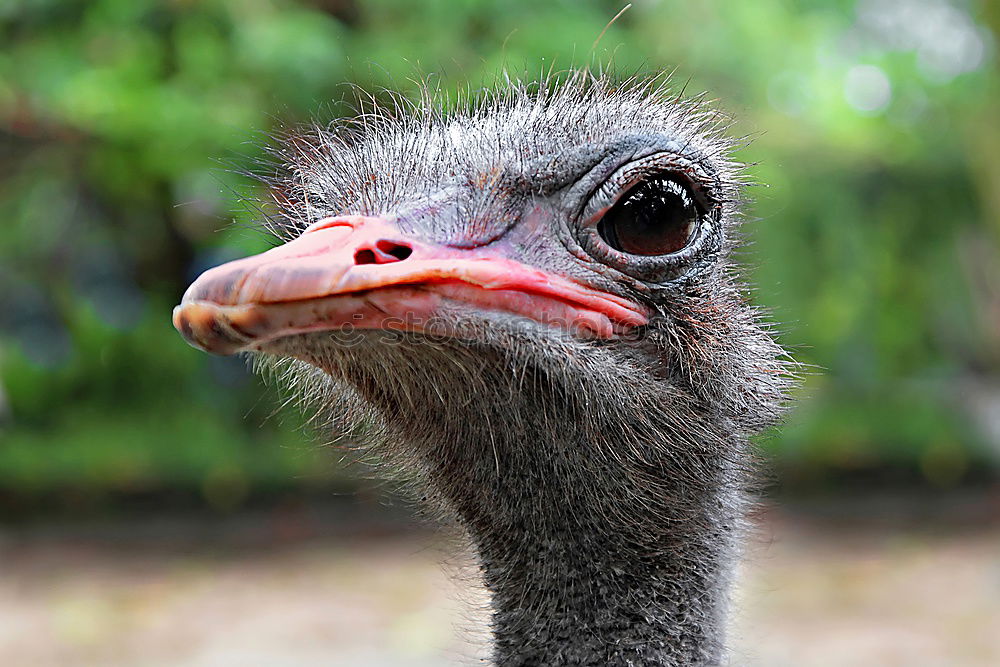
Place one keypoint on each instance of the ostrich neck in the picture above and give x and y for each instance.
(604, 508)
(590, 565)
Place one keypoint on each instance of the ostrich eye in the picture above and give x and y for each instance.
(658, 216)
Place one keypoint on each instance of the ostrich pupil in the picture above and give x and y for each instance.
(657, 217)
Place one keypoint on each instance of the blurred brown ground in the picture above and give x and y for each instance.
(878, 582)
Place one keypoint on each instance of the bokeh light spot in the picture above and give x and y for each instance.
(867, 89)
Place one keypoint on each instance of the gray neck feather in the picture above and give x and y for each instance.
(589, 571)
(604, 504)
(572, 588)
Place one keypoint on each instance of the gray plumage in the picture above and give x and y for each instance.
(602, 482)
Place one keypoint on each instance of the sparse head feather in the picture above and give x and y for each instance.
(383, 157)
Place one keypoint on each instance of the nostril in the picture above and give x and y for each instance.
(397, 250)
(384, 252)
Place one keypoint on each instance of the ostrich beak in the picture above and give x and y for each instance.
(362, 272)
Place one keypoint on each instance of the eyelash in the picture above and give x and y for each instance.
(630, 174)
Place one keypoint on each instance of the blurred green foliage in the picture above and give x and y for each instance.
(875, 125)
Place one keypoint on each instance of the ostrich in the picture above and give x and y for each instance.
(528, 303)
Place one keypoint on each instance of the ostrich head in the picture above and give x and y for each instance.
(529, 305)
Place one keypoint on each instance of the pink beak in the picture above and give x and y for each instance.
(362, 272)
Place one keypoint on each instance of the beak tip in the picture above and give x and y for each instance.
(202, 326)
(181, 323)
